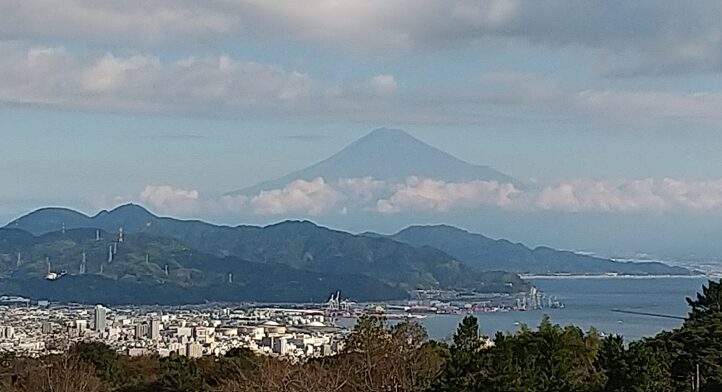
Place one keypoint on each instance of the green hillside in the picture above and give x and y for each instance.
(301, 245)
(137, 272)
(486, 253)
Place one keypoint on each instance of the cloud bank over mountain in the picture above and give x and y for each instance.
(368, 195)
(388, 171)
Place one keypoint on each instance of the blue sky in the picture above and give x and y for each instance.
(104, 102)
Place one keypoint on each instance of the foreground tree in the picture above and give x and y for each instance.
(63, 373)
(415, 363)
(649, 369)
(463, 367)
(397, 358)
(639, 368)
(707, 303)
(138, 374)
(551, 358)
(697, 343)
(613, 361)
(180, 375)
(278, 375)
(102, 357)
(237, 364)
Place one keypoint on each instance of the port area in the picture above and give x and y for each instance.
(433, 302)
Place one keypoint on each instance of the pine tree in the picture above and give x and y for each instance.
(180, 375)
(708, 302)
(612, 359)
(463, 367)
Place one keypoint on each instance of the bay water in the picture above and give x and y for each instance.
(591, 302)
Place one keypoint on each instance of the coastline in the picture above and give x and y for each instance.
(604, 276)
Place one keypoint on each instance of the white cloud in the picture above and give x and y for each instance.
(383, 84)
(362, 190)
(318, 197)
(166, 198)
(214, 85)
(646, 195)
(109, 73)
(441, 196)
(300, 197)
(222, 85)
(585, 195)
(589, 195)
(312, 198)
(145, 83)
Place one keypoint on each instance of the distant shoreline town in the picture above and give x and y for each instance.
(36, 328)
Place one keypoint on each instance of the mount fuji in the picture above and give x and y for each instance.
(390, 155)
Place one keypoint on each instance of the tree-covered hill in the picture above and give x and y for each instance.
(302, 245)
(486, 253)
(137, 272)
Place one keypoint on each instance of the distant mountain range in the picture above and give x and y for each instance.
(303, 251)
(388, 154)
(485, 253)
(289, 261)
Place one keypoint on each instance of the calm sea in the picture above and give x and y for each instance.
(589, 302)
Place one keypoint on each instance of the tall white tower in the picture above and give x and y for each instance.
(100, 318)
(154, 329)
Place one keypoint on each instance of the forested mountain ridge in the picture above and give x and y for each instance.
(158, 270)
(489, 254)
(297, 244)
